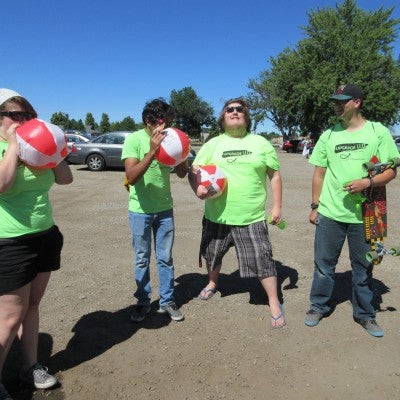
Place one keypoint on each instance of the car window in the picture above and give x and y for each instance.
(119, 140)
(101, 139)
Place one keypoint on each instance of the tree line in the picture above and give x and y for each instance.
(341, 44)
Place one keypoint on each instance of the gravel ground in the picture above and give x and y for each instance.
(225, 348)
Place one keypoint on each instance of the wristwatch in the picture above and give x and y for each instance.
(314, 206)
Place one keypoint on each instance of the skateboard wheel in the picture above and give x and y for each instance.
(369, 166)
(395, 251)
(395, 162)
(372, 256)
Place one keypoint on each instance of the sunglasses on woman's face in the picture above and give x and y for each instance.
(230, 110)
(17, 116)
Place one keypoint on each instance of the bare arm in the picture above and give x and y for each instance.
(358, 185)
(135, 169)
(317, 182)
(200, 190)
(182, 169)
(276, 188)
(63, 173)
(9, 162)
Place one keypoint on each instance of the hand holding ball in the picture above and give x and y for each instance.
(212, 177)
(41, 144)
(174, 148)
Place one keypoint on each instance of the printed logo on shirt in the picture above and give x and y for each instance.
(346, 147)
(235, 153)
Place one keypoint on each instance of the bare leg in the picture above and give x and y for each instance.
(270, 285)
(29, 329)
(13, 306)
(212, 285)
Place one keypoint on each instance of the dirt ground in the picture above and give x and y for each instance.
(225, 348)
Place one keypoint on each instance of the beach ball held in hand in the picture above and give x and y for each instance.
(174, 148)
(213, 179)
(41, 144)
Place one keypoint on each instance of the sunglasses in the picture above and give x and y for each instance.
(341, 102)
(230, 110)
(18, 116)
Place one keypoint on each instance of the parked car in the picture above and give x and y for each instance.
(101, 152)
(190, 159)
(75, 138)
(296, 146)
(291, 145)
(87, 135)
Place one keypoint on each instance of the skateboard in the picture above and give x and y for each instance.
(375, 212)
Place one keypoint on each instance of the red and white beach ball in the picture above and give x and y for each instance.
(213, 179)
(174, 148)
(41, 144)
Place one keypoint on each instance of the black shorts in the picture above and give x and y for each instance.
(23, 257)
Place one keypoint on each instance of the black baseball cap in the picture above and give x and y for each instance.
(347, 92)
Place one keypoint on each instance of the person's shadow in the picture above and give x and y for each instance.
(190, 285)
(93, 334)
(343, 291)
(99, 331)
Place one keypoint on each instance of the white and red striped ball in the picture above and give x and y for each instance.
(212, 178)
(174, 148)
(41, 144)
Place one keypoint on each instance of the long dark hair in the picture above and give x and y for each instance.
(243, 103)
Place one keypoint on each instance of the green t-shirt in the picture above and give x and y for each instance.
(25, 208)
(244, 162)
(152, 193)
(343, 153)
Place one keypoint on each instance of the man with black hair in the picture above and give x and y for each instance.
(150, 209)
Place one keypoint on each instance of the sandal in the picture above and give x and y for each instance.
(206, 294)
(279, 316)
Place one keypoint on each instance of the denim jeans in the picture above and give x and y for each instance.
(161, 225)
(329, 239)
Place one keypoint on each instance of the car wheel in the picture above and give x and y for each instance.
(95, 162)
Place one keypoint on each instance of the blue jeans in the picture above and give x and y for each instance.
(329, 239)
(162, 226)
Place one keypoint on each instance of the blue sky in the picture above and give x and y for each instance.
(112, 56)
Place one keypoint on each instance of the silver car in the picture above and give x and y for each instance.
(101, 152)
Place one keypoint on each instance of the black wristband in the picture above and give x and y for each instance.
(314, 206)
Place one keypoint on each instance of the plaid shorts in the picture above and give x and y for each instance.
(251, 242)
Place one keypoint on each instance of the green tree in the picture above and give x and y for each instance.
(191, 112)
(61, 119)
(344, 44)
(104, 123)
(77, 125)
(90, 121)
(128, 124)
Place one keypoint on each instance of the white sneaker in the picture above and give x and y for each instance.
(38, 376)
(173, 311)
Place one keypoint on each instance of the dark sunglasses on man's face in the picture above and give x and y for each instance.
(18, 116)
(341, 102)
(230, 110)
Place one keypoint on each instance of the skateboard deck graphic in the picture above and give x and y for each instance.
(375, 212)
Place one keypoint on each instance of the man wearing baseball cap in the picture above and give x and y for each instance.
(338, 157)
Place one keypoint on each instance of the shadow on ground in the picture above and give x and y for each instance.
(190, 285)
